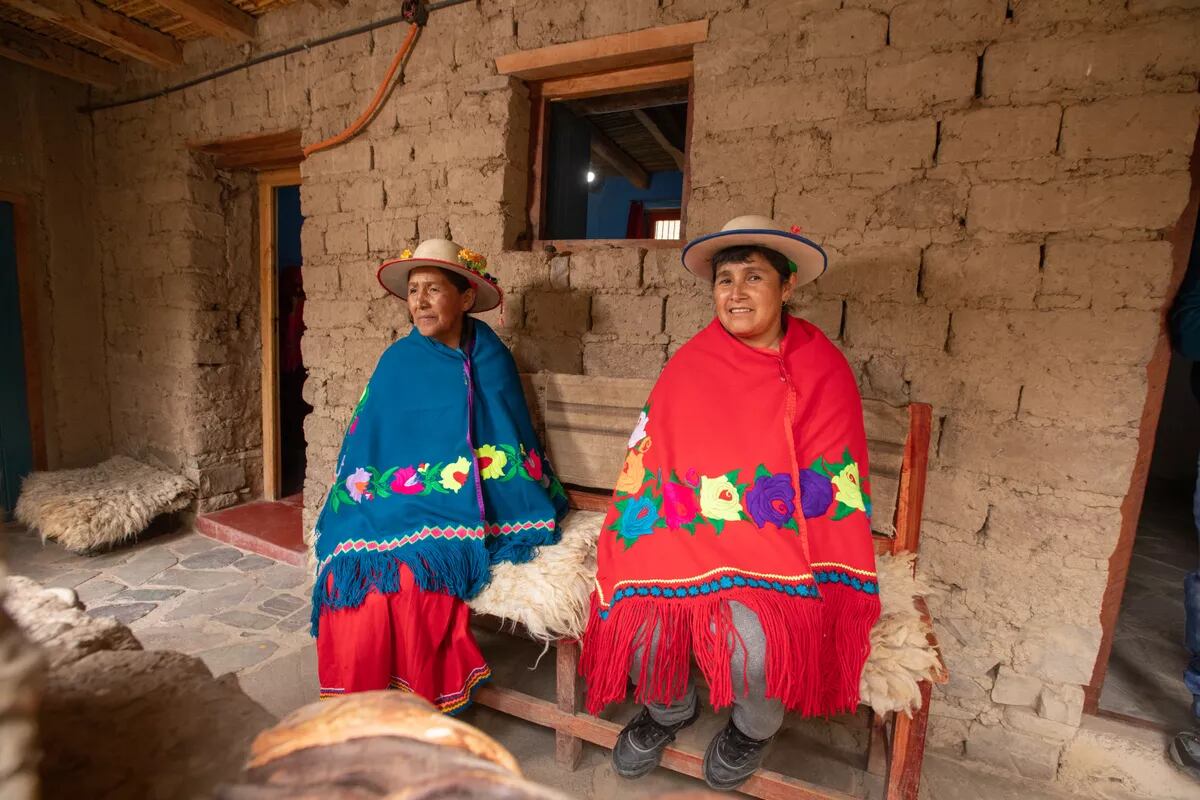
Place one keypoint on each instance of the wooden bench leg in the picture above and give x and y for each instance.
(908, 750)
(877, 752)
(568, 749)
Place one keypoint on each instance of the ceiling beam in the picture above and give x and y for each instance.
(611, 153)
(100, 24)
(39, 52)
(674, 152)
(612, 104)
(217, 17)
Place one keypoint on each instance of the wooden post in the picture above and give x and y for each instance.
(877, 750)
(568, 749)
(908, 750)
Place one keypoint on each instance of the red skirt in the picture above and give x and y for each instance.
(412, 640)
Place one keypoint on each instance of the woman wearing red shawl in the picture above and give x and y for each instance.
(739, 532)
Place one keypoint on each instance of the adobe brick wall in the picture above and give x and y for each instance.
(994, 189)
(46, 157)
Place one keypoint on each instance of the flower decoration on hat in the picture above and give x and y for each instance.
(475, 262)
(406, 253)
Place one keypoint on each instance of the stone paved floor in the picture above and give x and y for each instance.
(245, 614)
(237, 611)
(1145, 671)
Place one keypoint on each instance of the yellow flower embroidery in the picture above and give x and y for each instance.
(632, 473)
(491, 462)
(849, 491)
(719, 498)
(454, 474)
(406, 253)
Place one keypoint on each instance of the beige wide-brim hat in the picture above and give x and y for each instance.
(806, 256)
(443, 253)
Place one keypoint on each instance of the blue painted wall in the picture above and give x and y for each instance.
(608, 208)
(287, 207)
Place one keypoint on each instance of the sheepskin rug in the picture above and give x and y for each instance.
(901, 656)
(549, 596)
(101, 506)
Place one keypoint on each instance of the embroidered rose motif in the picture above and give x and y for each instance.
(637, 519)
(845, 478)
(816, 493)
(632, 474)
(639, 431)
(849, 493)
(491, 462)
(358, 485)
(454, 474)
(532, 465)
(679, 505)
(771, 500)
(719, 498)
(407, 480)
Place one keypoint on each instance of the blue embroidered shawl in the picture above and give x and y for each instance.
(440, 470)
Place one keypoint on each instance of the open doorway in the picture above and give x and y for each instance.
(289, 329)
(22, 444)
(273, 525)
(1144, 677)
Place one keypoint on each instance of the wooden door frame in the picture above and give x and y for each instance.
(1180, 236)
(268, 182)
(27, 301)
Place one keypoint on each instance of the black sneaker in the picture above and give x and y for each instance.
(732, 757)
(639, 746)
(1185, 752)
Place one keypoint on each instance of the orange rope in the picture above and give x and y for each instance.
(366, 116)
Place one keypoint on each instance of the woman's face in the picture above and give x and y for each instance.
(437, 306)
(749, 297)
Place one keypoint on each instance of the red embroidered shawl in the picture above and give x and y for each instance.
(746, 480)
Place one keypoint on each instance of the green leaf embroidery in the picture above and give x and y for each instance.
(843, 511)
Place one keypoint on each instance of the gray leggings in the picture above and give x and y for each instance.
(754, 714)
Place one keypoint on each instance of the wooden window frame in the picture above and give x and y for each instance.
(629, 62)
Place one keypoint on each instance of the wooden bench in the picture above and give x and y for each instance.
(585, 423)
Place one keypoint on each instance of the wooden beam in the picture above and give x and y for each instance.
(622, 80)
(674, 152)
(611, 153)
(214, 16)
(670, 95)
(258, 151)
(99, 24)
(620, 51)
(41, 53)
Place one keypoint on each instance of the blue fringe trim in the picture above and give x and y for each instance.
(461, 569)
(518, 548)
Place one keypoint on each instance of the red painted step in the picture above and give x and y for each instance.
(271, 529)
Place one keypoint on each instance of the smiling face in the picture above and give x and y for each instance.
(749, 296)
(437, 306)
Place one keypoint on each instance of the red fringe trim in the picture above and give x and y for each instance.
(816, 649)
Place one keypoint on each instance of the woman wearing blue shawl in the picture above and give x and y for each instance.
(440, 476)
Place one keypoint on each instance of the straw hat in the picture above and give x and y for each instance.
(807, 259)
(443, 253)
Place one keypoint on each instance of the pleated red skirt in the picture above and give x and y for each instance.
(412, 640)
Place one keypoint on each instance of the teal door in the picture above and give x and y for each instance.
(16, 447)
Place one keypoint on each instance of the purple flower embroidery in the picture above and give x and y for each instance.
(816, 493)
(772, 499)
